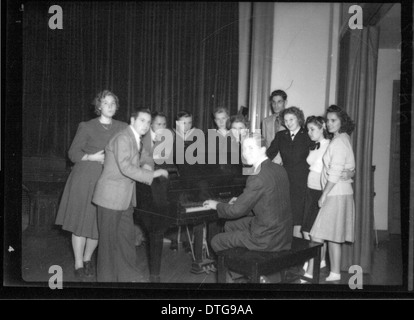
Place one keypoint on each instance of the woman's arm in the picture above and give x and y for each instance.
(273, 150)
(329, 186)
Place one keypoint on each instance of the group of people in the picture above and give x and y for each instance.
(299, 184)
(318, 159)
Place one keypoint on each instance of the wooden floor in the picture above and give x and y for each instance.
(44, 249)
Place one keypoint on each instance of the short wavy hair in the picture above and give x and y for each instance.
(239, 118)
(102, 95)
(320, 122)
(296, 112)
(184, 113)
(347, 124)
(278, 93)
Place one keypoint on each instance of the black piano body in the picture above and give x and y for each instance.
(177, 201)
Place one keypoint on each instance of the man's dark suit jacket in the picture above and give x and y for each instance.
(267, 196)
(294, 153)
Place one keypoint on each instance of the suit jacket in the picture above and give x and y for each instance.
(267, 196)
(270, 126)
(115, 188)
(294, 152)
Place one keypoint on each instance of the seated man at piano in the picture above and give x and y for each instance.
(260, 218)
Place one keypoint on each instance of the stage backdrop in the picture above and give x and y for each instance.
(163, 56)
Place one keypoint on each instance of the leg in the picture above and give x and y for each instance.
(222, 270)
(90, 247)
(107, 222)
(335, 259)
(236, 235)
(78, 245)
(126, 255)
(309, 271)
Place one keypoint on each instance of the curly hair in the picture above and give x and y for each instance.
(296, 112)
(347, 124)
(320, 122)
(102, 95)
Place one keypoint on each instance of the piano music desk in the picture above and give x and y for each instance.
(257, 263)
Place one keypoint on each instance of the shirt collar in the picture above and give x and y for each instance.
(259, 163)
(294, 132)
(137, 136)
(153, 135)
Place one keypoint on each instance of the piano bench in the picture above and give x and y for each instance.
(254, 264)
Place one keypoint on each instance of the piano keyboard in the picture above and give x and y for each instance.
(198, 206)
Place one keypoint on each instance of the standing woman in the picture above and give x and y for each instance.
(76, 212)
(335, 220)
(294, 144)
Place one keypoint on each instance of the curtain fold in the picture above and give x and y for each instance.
(356, 94)
(165, 56)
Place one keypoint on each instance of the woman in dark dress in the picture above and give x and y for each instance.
(76, 212)
(293, 144)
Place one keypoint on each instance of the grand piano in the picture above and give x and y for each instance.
(178, 201)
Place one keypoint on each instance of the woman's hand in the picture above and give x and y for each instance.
(211, 204)
(347, 174)
(322, 200)
(99, 157)
(146, 166)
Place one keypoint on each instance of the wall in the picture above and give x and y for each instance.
(388, 70)
(305, 54)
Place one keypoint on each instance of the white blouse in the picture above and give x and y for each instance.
(314, 160)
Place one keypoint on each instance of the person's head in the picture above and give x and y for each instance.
(221, 117)
(185, 121)
(278, 100)
(293, 118)
(141, 121)
(338, 121)
(316, 128)
(254, 148)
(159, 121)
(238, 122)
(106, 103)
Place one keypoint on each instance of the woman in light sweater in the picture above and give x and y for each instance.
(335, 220)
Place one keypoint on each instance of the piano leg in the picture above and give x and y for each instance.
(201, 263)
(155, 252)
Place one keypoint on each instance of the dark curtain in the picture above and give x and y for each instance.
(163, 56)
(356, 94)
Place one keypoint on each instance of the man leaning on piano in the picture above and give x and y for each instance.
(260, 218)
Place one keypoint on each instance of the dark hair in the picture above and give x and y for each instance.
(295, 111)
(320, 123)
(347, 124)
(97, 101)
(239, 118)
(183, 113)
(158, 114)
(136, 113)
(278, 93)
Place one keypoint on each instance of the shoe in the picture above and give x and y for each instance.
(264, 279)
(79, 274)
(333, 277)
(89, 269)
(308, 279)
